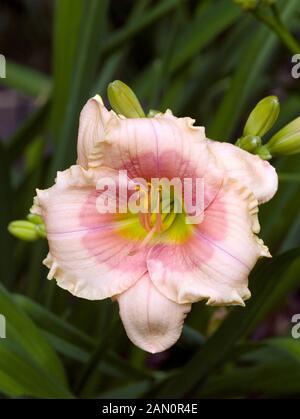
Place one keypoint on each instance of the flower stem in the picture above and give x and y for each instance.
(275, 23)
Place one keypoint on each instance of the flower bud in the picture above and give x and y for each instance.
(249, 143)
(41, 230)
(35, 219)
(287, 140)
(263, 117)
(24, 230)
(123, 100)
(264, 153)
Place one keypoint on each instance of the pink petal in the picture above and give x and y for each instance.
(94, 118)
(150, 147)
(152, 321)
(258, 175)
(87, 255)
(215, 263)
(163, 146)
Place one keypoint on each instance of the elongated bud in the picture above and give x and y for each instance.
(24, 230)
(249, 143)
(41, 230)
(263, 117)
(287, 140)
(123, 100)
(35, 219)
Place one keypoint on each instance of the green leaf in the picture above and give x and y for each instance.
(254, 60)
(28, 131)
(134, 26)
(132, 391)
(48, 321)
(76, 345)
(6, 196)
(22, 377)
(26, 80)
(84, 66)
(25, 356)
(272, 370)
(67, 20)
(202, 30)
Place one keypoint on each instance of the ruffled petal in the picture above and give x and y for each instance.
(92, 124)
(151, 147)
(215, 262)
(152, 321)
(257, 174)
(87, 255)
(159, 147)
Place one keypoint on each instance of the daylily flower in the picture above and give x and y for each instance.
(155, 278)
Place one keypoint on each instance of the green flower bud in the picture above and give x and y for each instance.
(41, 230)
(287, 140)
(263, 117)
(24, 230)
(123, 100)
(249, 143)
(35, 219)
(264, 153)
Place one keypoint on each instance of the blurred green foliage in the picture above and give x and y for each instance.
(208, 59)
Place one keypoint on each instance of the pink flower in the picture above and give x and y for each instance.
(155, 277)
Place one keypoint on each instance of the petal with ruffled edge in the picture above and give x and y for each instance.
(87, 255)
(215, 262)
(257, 174)
(152, 321)
(159, 147)
(150, 146)
(92, 125)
